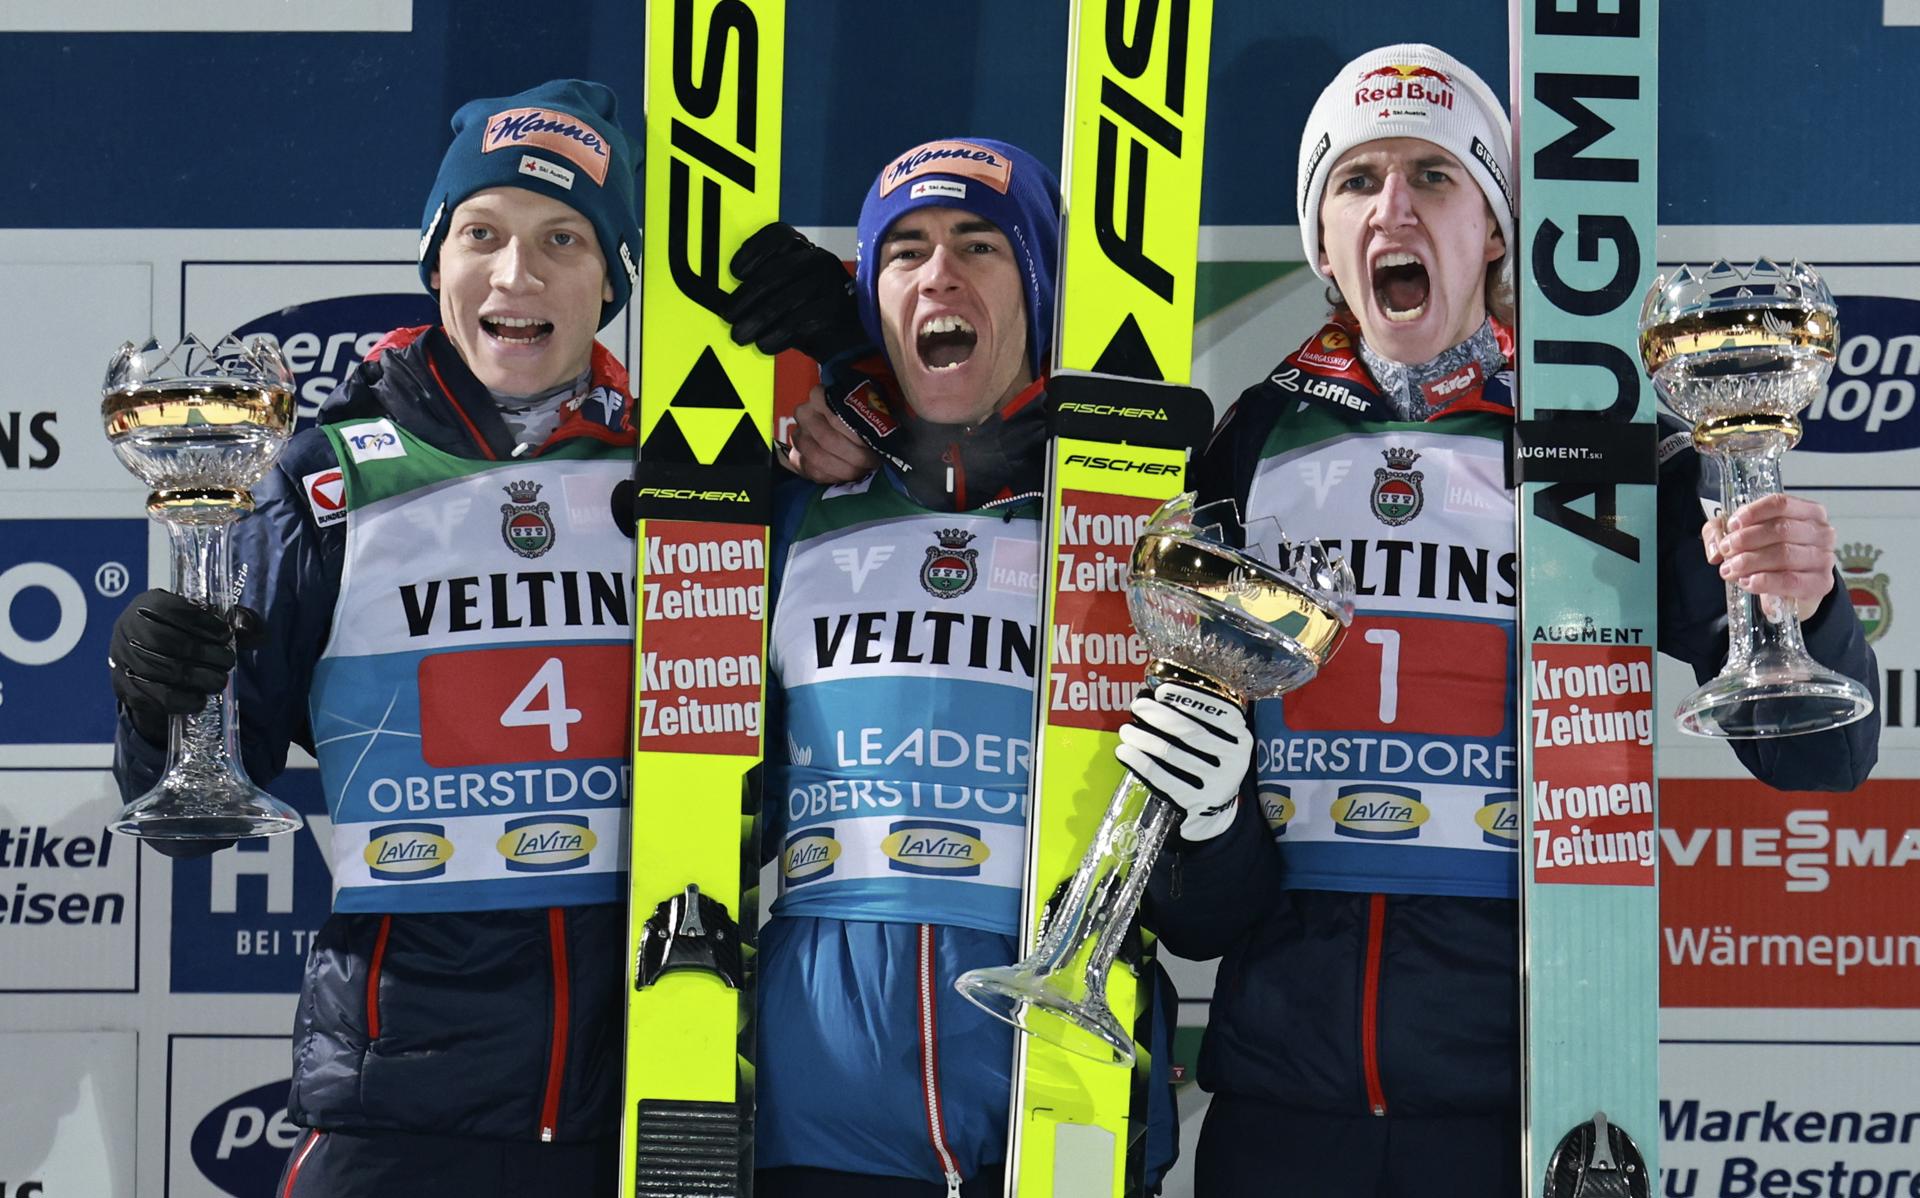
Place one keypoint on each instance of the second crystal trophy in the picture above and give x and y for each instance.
(200, 426)
(1739, 352)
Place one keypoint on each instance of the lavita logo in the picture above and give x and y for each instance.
(241, 1145)
(1869, 403)
(323, 339)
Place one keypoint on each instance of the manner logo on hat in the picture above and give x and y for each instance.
(545, 129)
(949, 158)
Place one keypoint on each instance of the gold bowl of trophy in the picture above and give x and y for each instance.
(1240, 612)
(1739, 352)
(199, 425)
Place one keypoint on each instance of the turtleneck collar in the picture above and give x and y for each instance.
(1417, 391)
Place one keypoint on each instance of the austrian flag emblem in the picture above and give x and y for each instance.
(1396, 489)
(524, 524)
(949, 571)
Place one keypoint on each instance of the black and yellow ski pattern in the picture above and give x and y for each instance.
(1136, 116)
(701, 502)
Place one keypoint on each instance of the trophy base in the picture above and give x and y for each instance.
(1026, 1001)
(171, 811)
(1777, 694)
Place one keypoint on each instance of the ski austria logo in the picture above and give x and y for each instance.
(407, 852)
(324, 339)
(1373, 812)
(1276, 807)
(1499, 818)
(326, 492)
(242, 1144)
(809, 856)
(1397, 497)
(524, 524)
(546, 844)
(949, 571)
(1871, 395)
(1867, 590)
(925, 846)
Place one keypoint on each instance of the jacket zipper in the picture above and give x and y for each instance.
(930, 1065)
(557, 1054)
(1370, 1006)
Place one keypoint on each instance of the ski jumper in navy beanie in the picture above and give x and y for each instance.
(561, 140)
(992, 180)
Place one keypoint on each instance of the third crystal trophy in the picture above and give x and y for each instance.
(1739, 352)
(200, 426)
(1227, 614)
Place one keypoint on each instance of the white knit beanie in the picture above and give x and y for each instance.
(1409, 90)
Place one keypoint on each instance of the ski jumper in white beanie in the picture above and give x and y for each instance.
(1408, 90)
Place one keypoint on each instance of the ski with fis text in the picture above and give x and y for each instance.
(1123, 423)
(701, 500)
(1584, 89)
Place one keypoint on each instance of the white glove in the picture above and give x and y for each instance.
(1192, 748)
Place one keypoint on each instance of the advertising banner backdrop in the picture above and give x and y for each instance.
(66, 1110)
(227, 1128)
(69, 891)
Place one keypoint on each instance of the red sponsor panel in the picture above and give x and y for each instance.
(1409, 674)
(539, 703)
(1095, 661)
(1590, 725)
(1789, 899)
(702, 639)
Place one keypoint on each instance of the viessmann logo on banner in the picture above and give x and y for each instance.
(1772, 899)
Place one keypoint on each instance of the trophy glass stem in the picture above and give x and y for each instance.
(205, 793)
(1061, 985)
(1770, 685)
(202, 575)
(1751, 636)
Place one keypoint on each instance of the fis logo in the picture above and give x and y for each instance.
(1374, 812)
(858, 563)
(1130, 130)
(809, 856)
(373, 441)
(545, 844)
(933, 848)
(407, 852)
(1321, 477)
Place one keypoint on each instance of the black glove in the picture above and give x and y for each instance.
(167, 656)
(792, 295)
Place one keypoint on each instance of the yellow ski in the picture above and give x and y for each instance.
(701, 500)
(1123, 421)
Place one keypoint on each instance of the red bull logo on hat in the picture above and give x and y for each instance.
(545, 129)
(1404, 83)
(962, 158)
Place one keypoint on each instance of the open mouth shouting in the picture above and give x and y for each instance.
(1400, 286)
(945, 342)
(516, 330)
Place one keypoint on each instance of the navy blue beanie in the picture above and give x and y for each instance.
(561, 140)
(992, 180)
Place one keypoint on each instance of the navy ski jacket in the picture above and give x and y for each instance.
(495, 1024)
(1367, 1003)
